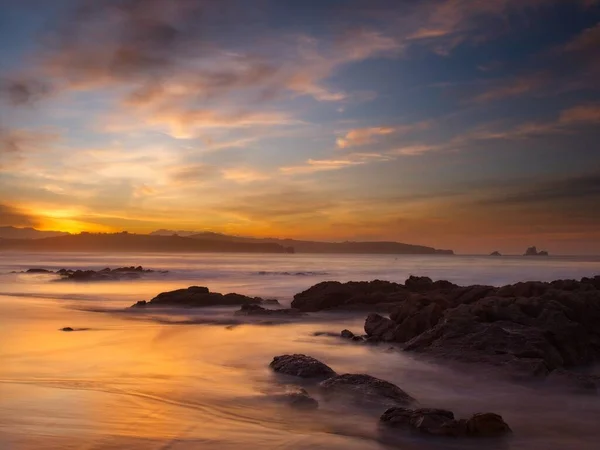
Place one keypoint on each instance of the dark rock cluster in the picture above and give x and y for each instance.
(197, 296)
(533, 251)
(441, 422)
(107, 274)
(535, 327)
(363, 388)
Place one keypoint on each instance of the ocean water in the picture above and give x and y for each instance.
(200, 379)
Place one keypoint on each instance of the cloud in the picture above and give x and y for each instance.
(192, 173)
(363, 136)
(514, 87)
(573, 189)
(171, 67)
(243, 175)
(24, 91)
(569, 66)
(321, 165)
(581, 115)
(12, 216)
(279, 205)
(18, 143)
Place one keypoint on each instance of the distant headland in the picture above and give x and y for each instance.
(201, 242)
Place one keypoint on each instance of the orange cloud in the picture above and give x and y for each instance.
(363, 136)
(584, 114)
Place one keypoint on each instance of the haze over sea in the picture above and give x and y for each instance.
(200, 379)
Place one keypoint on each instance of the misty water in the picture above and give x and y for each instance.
(200, 379)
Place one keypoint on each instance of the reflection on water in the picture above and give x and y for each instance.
(135, 383)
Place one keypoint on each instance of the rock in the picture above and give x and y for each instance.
(106, 274)
(441, 422)
(379, 326)
(270, 301)
(251, 309)
(365, 388)
(418, 284)
(532, 251)
(333, 294)
(347, 334)
(38, 271)
(496, 253)
(301, 400)
(487, 425)
(303, 366)
(67, 329)
(438, 422)
(196, 297)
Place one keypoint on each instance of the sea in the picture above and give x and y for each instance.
(200, 379)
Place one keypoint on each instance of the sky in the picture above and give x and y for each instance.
(459, 124)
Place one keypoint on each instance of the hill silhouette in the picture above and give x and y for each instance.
(300, 246)
(126, 242)
(27, 233)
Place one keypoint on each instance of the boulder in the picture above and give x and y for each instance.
(437, 422)
(196, 297)
(441, 422)
(364, 388)
(38, 271)
(302, 366)
(347, 334)
(487, 425)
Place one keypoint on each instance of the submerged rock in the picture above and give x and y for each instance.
(251, 309)
(441, 422)
(496, 253)
(67, 329)
(347, 334)
(303, 366)
(196, 297)
(364, 388)
(300, 400)
(487, 425)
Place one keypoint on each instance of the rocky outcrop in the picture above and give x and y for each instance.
(534, 327)
(107, 274)
(364, 388)
(365, 294)
(251, 309)
(532, 251)
(333, 294)
(441, 422)
(196, 297)
(302, 366)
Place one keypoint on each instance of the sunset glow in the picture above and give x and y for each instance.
(455, 124)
